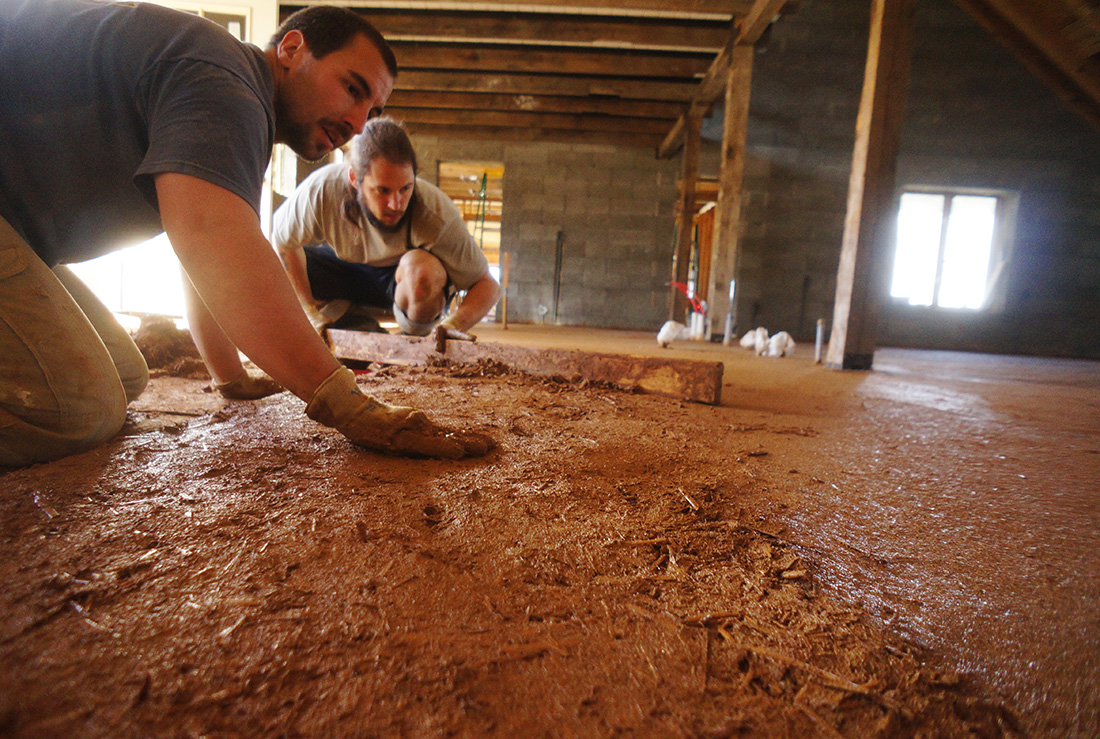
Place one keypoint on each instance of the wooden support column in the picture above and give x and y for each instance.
(727, 219)
(685, 217)
(861, 279)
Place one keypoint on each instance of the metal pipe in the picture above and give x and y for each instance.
(504, 292)
(727, 337)
(558, 250)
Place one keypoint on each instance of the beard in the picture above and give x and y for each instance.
(295, 134)
(383, 227)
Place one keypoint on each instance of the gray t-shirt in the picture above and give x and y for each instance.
(314, 215)
(96, 98)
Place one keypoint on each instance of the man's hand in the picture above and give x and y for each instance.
(445, 330)
(340, 404)
(453, 330)
(246, 386)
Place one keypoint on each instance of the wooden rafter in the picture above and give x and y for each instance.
(1058, 41)
(488, 101)
(549, 84)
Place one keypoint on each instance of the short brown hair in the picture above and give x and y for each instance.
(326, 29)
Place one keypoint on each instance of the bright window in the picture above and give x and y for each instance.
(145, 278)
(947, 246)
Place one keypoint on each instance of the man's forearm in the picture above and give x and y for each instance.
(218, 352)
(294, 262)
(479, 300)
(232, 266)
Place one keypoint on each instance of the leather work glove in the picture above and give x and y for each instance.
(449, 325)
(445, 329)
(248, 387)
(340, 404)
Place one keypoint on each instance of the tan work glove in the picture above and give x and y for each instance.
(449, 325)
(446, 329)
(248, 387)
(339, 403)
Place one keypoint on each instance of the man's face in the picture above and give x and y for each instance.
(322, 103)
(386, 190)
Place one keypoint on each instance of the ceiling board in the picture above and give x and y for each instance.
(578, 70)
(591, 71)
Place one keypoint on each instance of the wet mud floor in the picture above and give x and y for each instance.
(907, 552)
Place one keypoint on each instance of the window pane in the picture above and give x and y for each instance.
(232, 22)
(919, 224)
(966, 251)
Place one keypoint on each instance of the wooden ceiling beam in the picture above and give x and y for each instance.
(668, 111)
(528, 120)
(516, 84)
(574, 66)
(619, 62)
(749, 30)
(563, 30)
(610, 138)
(756, 21)
(701, 9)
(1073, 78)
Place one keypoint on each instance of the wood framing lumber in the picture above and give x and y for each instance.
(861, 281)
(746, 33)
(687, 379)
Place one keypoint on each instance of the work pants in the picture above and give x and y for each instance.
(67, 368)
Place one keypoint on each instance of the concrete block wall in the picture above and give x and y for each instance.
(995, 125)
(975, 118)
(807, 78)
(614, 209)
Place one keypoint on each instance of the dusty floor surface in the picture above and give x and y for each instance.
(907, 552)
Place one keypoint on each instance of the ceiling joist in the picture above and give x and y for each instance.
(577, 70)
(614, 71)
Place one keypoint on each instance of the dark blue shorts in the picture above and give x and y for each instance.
(331, 278)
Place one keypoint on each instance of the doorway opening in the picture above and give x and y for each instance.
(477, 188)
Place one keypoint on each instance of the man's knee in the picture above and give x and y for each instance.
(421, 285)
(28, 435)
(135, 381)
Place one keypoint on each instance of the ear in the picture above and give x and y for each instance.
(351, 178)
(292, 47)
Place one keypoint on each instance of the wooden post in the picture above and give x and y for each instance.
(727, 219)
(685, 217)
(704, 242)
(861, 279)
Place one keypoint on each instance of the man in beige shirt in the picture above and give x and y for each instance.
(374, 234)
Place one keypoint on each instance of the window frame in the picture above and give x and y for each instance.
(1000, 253)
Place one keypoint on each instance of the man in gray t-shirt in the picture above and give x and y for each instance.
(372, 233)
(120, 120)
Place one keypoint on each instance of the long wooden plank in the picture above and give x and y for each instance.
(707, 9)
(1071, 85)
(527, 120)
(565, 136)
(628, 108)
(544, 84)
(667, 34)
(543, 60)
(686, 379)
